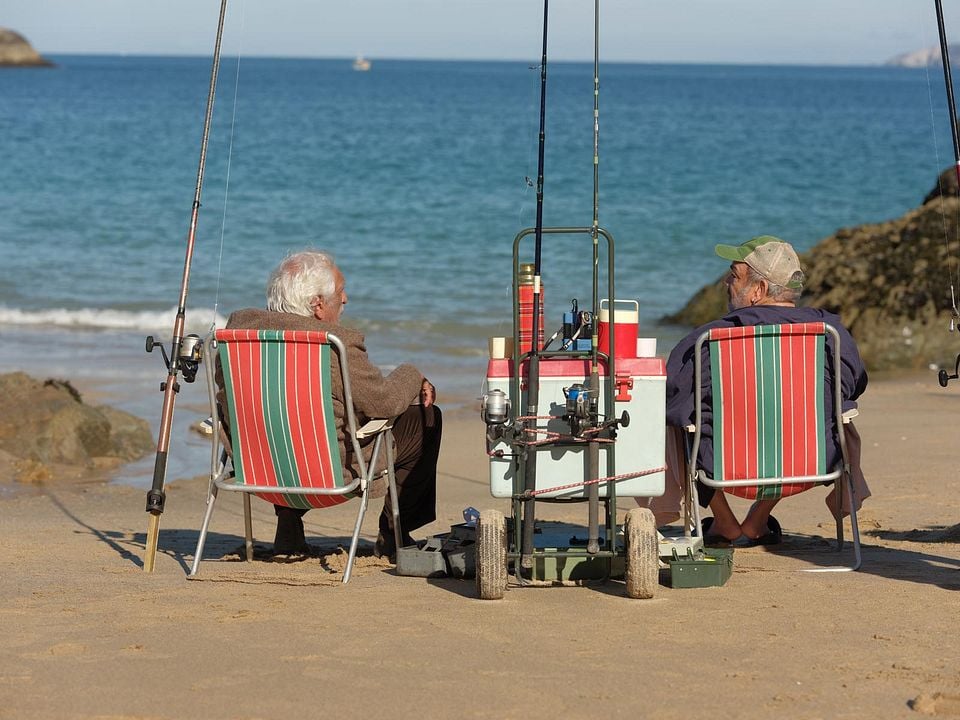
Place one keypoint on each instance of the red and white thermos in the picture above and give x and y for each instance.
(525, 288)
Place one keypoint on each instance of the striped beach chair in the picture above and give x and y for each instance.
(770, 431)
(283, 433)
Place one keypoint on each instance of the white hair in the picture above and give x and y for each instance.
(300, 281)
(776, 292)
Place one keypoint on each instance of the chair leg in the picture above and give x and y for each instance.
(691, 511)
(394, 501)
(854, 526)
(691, 500)
(211, 499)
(354, 541)
(247, 527)
(847, 481)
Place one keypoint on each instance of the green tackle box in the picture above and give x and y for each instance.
(712, 569)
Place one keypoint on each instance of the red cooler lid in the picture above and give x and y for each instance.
(576, 367)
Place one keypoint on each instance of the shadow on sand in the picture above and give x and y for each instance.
(901, 562)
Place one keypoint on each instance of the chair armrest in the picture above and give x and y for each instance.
(850, 415)
(373, 427)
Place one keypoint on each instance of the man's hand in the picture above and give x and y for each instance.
(428, 393)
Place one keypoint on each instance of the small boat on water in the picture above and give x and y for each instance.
(361, 63)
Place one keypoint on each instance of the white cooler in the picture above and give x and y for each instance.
(640, 390)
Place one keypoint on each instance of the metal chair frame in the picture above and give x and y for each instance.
(222, 474)
(840, 473)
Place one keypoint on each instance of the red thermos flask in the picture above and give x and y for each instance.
(525, 297)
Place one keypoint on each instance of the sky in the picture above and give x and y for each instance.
(836, 32)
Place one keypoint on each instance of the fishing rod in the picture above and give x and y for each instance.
(955, 136)
(593, 449)
(948, 80)
(185, 352)
(533, 364)
(943, 377)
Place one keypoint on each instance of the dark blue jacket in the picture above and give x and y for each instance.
(680, 371)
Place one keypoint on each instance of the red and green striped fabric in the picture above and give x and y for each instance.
(768, 406)
(284, 432)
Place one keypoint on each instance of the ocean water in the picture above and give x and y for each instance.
(417, 176)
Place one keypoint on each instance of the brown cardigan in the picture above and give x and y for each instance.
(374, 396)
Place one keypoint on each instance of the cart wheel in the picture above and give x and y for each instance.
(491, 550)
(642, 565)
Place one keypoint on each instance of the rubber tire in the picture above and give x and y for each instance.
(491, 555)
(642, 571)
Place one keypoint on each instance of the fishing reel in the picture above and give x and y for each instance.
(577, 330)
(495, 411)
(944, 378)
(580, 408)
(496, 408)
(188, 357)
(580, 411)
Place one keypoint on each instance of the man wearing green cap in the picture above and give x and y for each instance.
(763, 286)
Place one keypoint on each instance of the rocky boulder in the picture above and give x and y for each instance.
(946, 186)
(46, 425)
(16, 51)
(889, 282)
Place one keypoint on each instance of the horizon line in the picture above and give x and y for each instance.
(564, 61)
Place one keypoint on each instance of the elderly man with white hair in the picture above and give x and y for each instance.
(307, 291)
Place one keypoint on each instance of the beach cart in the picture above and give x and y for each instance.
(578, 418)
(579, 421)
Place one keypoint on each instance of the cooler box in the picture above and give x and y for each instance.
(640, 390)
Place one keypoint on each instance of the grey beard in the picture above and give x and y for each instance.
(735, 302)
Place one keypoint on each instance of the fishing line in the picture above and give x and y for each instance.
(183, 358)
(226, 190)
(528, 182)
(938, 165)
(595, 228)
(936, 145)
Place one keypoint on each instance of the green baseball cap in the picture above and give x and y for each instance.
(773, 258)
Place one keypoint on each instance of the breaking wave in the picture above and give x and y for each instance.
(198, 320)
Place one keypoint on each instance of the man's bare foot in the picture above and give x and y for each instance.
(772, 534)
(715, 529)
(724, 523)
(751, 530)
(754, 525)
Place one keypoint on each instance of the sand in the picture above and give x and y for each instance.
(86, 633)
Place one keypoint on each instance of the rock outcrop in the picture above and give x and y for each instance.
(47, 430)
(15, 51)
(889, 282)
(946, 186)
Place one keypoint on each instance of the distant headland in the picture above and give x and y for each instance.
(15, 51)
(928, 57)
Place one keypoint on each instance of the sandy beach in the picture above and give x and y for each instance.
(88, 634)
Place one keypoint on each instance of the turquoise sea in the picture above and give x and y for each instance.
(417, 175)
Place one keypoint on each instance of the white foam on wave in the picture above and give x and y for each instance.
(197, 320)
